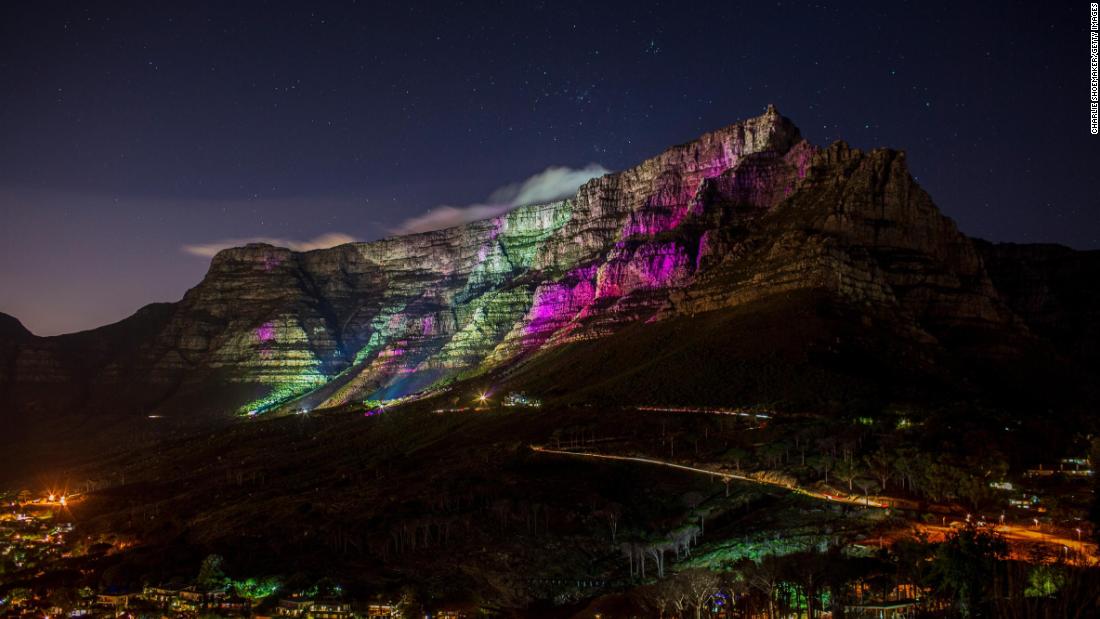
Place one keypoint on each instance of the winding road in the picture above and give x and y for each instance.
(1018, 534)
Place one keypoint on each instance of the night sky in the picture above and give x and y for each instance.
(136, 139)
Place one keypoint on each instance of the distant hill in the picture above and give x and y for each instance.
(11, 330)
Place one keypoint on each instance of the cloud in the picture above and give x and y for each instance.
(324, 241)
(553, 183)
(448, 216)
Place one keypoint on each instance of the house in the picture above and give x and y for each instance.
(162, 596)
(520, 399)
(113, 600)
(382, 610)
(194, 599)
(233, 605)
(293, 607)
(329, 609)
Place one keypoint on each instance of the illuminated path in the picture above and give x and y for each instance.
(702, 411)
(1012, 533)
(1082, 551)
(726, 477)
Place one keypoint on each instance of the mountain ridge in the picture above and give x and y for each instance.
(740, 215)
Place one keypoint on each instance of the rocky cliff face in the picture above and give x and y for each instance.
(741, 214)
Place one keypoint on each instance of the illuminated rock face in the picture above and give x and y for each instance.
(384, 319)
(739, 214)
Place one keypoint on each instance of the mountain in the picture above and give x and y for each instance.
(1052, 287)
(744, 267)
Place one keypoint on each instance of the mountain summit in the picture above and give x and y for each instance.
(742, 227)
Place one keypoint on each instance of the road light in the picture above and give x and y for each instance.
(1078, 529)
(482, 398)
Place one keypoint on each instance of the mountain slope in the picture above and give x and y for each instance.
(745, 220)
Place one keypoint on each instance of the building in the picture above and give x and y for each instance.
(382, 610)
(234, 605)
(193, 599)
(293, 607)
(162, 596)
(901, 609)
(520, 399)
(113, 600)
(329, 609)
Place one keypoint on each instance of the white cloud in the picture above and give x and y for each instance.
(553, 183)
(324, 241)
(447, 216)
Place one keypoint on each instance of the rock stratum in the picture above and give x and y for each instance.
(746, 216)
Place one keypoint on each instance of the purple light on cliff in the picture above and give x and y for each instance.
(660, 270)
(265, 332)
(265, 335)
(556, 304)
(392, 352)
(649, 266)
(649, 223)
(674, 198)
(704, 250)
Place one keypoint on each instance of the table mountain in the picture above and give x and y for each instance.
(743, 223)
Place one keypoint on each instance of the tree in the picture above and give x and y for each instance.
(907, 463)
(698, 585)
(764, 578)
(611, 513)
(881, 466)
(408, 605)
(964, 566)
(655, 596)
(736, 454)
(810, 571)
(211, 572)
(822, 464)
(866, 485)
(773, 454)
(846, 471)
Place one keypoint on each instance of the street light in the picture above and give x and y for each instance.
(1078, 529)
